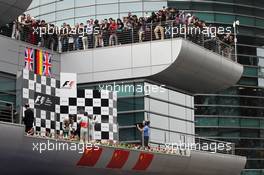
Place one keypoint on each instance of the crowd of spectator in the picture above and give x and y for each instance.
(107, 32)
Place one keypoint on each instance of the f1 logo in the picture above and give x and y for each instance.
(40, 100)
(68, 84)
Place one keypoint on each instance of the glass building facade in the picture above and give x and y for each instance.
(77, 11)
(236, 114)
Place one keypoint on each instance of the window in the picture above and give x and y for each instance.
(250, 133)
(65, 4)
(244, 10)
(259, 12)
(83, 19)
(229, 133)
(42, 2)
(49, 17)
(130, 104)
(129, 134)
(250, 123)
(85, 11)
(34, 3)
(180, 5)
(259, 22)
(246, 20)
(34, 12)
(255, 164)
(202, 6)
(250, 71)
(131, 7)
(65, 14)
(229, 122)
(70, 22)
(209, 17)
(47, 8)
(248, 81)
(245, 2)
(130, 119)
(224, 8)
(106, 1)
(247, 60)
(206, 121)
(262, 125)
(107, 9)
(225, 18)
(251, 172)
(153, 6)
(206, 132)
(81, 3)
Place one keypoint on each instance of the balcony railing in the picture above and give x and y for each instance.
(61, 40)
(184, 147)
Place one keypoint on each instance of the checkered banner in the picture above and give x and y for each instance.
(50, 109)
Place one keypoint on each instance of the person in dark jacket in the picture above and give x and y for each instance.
(28, 120)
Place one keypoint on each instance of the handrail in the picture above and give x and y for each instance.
(56, 39)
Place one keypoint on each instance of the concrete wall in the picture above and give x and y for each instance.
(171, 114)
(121, 62)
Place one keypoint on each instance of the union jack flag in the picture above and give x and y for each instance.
(47, 64)
(29, 59)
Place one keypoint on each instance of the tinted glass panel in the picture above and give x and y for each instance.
(130, 104)
(229, 122)
(206, 121)
(130, 119)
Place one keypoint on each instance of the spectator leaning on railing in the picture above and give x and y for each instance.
(107, 32)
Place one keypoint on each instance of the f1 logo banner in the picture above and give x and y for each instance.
(45, 102)
(68, 85)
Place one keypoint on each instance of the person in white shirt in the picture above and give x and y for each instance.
(93, 121)
(83, 128)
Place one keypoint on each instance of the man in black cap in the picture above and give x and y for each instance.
(28, 120)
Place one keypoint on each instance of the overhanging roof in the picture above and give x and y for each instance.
(198, 70)
(177, 63)
(11, 9)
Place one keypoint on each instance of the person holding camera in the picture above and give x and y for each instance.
(145, 132)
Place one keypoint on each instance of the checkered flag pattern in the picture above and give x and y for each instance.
(37, 85)
(100, 104)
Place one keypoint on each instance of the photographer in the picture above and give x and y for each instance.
(145, 132)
